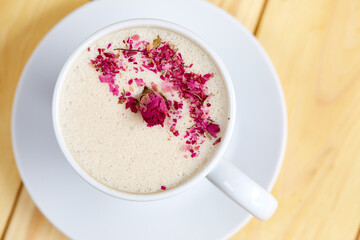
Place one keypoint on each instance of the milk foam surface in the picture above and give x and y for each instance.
(114, 145)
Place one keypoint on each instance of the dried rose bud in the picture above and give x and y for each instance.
(153, 107)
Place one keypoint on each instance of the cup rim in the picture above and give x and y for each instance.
(144, 22)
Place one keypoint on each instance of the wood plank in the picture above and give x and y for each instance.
(246, 11)
(315, 46)
(22, 25)
(29, 223)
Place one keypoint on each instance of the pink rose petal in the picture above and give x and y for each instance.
(136, 37)
(166, 87)
(139, 82)
(107, 79)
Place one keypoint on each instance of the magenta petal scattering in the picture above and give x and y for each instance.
(177, 78)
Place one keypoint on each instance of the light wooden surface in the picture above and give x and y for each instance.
(315, 47)
(28, 223)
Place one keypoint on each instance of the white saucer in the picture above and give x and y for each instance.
(203, 212)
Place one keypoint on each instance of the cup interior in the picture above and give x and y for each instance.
(156, 23)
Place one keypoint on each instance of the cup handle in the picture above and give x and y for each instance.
(243, 190)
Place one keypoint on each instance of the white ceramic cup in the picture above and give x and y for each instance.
(239, 187)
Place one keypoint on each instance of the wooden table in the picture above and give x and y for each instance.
(315, 47)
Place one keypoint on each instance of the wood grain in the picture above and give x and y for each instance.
(247, 12)
(315, 46)
(29, 223)
(22, 25)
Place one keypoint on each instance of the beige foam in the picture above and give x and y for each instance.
(113, 144)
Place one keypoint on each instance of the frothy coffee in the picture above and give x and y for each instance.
(111, 141)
